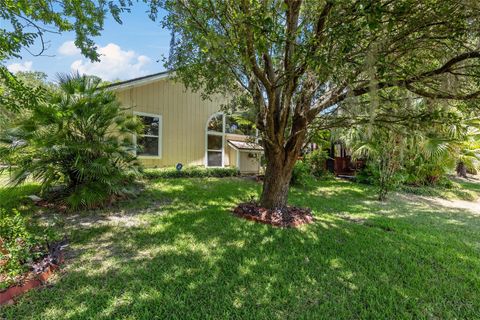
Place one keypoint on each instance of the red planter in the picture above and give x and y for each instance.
(7, 296)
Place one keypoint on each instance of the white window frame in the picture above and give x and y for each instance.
(223, 134)
(160, 135)
(215, 133)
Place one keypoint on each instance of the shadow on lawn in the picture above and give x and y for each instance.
(193, 259)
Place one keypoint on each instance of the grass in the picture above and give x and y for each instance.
(460, 189)
(176, 252)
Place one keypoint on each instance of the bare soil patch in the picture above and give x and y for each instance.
(472, 206)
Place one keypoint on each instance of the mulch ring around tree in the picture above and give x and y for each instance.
(289, 217)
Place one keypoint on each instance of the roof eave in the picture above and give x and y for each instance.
(122, 85)
(243, 149)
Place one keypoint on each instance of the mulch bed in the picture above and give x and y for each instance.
(289, 217)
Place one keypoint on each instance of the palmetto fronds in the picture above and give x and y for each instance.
(418, 152)
(80, 138)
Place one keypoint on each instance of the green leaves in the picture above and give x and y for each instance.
(74, 138)
(18, 246)
(26, 23)
(17, 93)
(421, 151)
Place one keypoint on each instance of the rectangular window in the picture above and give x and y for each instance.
(338, 150)
(214, 158)
(214, 150)
(149, 143)
(214, 142)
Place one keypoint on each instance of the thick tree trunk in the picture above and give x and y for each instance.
(277, 179)
(275, 187)
(461, 169)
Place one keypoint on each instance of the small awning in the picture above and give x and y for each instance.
(245, 145)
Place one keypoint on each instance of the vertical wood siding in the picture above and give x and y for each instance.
(184, 115)
(247, 164)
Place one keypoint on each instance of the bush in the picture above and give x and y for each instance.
(191, 172)
(380, 175)
(316, 160)
(365, 175)
(73, 138)
(18, 247)
(301, 174)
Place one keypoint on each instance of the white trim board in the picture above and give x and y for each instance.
(140, 81)
(215, 133)
(160, 134)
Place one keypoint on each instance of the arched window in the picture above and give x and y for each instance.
(218, 125)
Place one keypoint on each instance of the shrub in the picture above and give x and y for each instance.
(74, 139)
(422, 171)
(18, 246)
(301, 174)
(445, 182)
(316, 160)
(366, 174)
(383, 167)
(191, 172)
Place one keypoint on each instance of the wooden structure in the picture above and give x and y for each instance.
(340, 162)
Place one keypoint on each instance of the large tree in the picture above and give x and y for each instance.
(299, 63)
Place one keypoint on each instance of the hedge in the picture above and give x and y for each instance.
(191, 172)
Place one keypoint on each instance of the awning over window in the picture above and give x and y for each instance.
(245, 145)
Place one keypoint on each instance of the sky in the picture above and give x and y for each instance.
(130, 50)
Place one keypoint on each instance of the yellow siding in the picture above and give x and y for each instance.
(249, 164)
(184, 117)
(231, 156)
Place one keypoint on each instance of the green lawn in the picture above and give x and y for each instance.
(461, 189)
(177, 252)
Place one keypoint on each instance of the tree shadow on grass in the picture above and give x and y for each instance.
(195, 260)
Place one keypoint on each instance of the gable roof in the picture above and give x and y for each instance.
(140, 80)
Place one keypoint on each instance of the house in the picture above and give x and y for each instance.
(181, 127)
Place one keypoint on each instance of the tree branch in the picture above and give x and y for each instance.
(338, 96)
(250, 51)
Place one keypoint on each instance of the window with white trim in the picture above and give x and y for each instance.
(215, 140)
(149, 143)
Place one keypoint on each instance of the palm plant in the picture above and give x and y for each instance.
(415, 156)
(383, 149)
(80, 138)
(432, 141)
(455, 146)
(468, 156)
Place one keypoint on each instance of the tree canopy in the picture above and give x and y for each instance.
(27, 23)
(299, 63)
